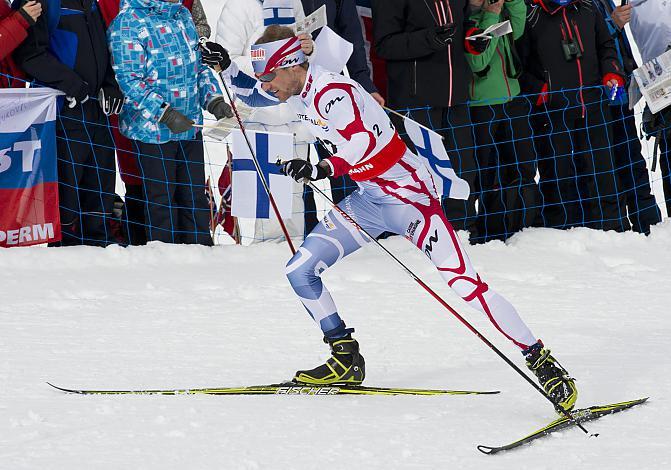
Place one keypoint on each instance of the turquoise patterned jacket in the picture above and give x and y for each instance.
(154, 51)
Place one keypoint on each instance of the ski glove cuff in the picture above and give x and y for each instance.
(176, 121)
(301, 170)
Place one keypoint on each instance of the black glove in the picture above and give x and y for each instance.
(441, 36)
(214, 54)
(301, 169)
(220, 108)
(110, 100)
(476, 46)
(175, 120)
(80, 96)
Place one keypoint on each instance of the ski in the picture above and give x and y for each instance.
(286, 388)
(581, 415)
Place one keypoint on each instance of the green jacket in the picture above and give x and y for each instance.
(494, 70)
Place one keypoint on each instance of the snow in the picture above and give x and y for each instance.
(166, 316)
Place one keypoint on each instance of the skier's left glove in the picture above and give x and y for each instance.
(220, 108)
(301, 169)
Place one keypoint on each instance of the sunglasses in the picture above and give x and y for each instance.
(267, 77)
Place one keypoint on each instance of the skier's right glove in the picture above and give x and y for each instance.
(301, 169)
(176, 121)
(441, 36)
(214, 54)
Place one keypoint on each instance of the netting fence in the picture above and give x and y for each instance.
(579, 160)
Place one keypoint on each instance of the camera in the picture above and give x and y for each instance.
(571, 50)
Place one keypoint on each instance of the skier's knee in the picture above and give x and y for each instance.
(301, 269)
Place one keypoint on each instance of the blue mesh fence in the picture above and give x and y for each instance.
(579, 161)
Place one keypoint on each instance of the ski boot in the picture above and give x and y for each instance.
(554, 379)
(345, 366)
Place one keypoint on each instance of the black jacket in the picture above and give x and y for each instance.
(419, 72)
(343, 18)
(543, 56)
(72, 53)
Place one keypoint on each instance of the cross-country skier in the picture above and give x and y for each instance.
(396, 194)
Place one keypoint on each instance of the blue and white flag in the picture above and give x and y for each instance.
(278, 12)
(430, 148)
(249, 196)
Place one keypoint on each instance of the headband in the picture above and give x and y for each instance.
(276, 55)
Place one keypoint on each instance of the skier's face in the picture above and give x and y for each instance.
(287, 83)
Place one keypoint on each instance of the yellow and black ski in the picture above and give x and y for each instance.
(581, 415)
(287, 388)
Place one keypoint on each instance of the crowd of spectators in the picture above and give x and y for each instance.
(537, 121)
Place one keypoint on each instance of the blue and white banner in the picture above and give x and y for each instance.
(249, 196)
(429, 147)
(278, 12)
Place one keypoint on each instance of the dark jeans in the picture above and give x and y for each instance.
(632, 171)
(173, 177)
(86, 175)
(578, 181)
(454, 124)
(509, 198)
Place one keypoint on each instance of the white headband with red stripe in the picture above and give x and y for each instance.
(276, 55)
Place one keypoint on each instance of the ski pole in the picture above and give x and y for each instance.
(259, 172)
(452, 311)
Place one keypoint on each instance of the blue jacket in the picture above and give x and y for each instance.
(155, 56)
(343, 18)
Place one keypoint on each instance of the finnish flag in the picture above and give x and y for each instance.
(278, 12)
(249, 196)
(429, 147)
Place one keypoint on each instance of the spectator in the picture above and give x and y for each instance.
(68, 52)
(134, 201)
(632, 171)
(14, 27)
(650, 24)
(423, 44)
(568, 56)
(342, 18)
(241, 23)
(504, 147)
(154, 53)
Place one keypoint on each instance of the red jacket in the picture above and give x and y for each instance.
(13, 28)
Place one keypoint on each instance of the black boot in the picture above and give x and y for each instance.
(345, 366)
(554, 379)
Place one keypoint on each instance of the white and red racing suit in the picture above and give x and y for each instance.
(396, 194)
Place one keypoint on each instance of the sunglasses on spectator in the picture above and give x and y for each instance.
(267, 77)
